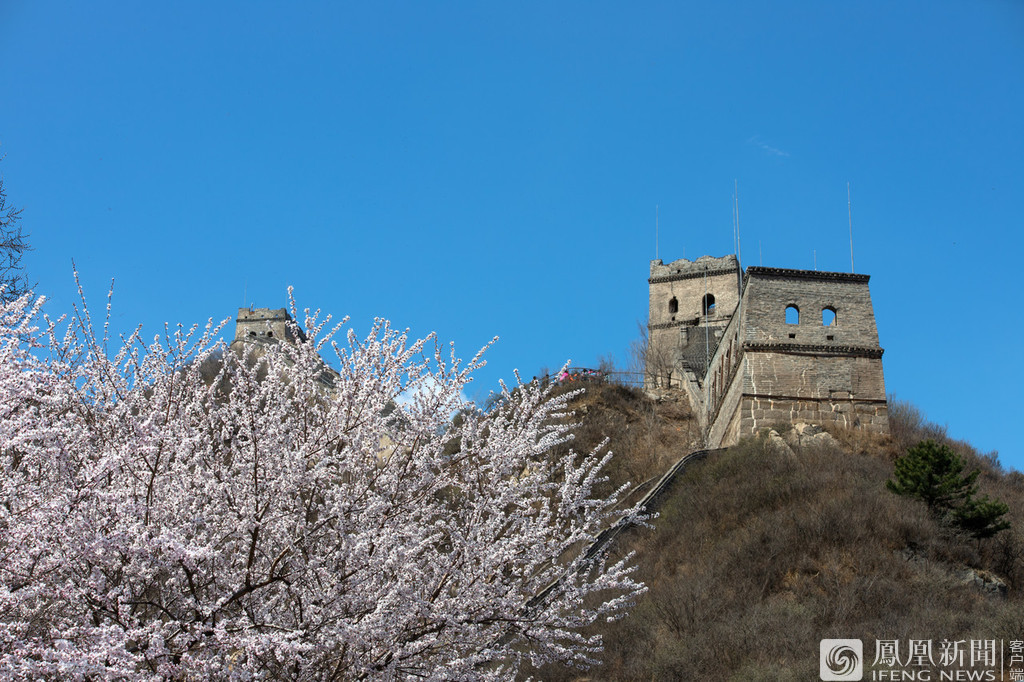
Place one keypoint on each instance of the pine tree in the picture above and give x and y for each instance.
(982, 517)
(932, 472)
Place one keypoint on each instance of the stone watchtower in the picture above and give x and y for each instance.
(792, 346)
(257, 328)
(265, 324)
(691, 303)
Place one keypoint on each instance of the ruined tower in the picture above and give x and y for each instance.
(256, 329)
(263, 324)
(691, 303)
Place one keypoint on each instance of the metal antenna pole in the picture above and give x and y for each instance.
(739, 243)
(733, 207)
(849, 210)
(655, 232)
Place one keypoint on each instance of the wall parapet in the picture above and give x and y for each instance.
(813, 349)
(690, 275)
(705, 266)
(822, 275)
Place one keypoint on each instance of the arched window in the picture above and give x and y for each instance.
(792, 314)
(828, 317)
(709, 304)
(270, 333)
(673, 306)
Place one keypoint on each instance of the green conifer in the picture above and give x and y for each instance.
(932, 472)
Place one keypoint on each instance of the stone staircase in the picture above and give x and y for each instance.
(647, 505)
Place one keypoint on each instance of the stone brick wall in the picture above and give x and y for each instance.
(783, 388)
(726, 365)
(771, 290)
(820, 376)
(729, 413)
(759, 413)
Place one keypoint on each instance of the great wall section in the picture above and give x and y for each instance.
(764, 347)
(747, 349)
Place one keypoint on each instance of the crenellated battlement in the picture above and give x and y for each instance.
(687, 269)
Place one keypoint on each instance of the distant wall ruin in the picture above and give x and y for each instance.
(264, 323)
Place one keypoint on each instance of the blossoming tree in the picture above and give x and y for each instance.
(179, 510)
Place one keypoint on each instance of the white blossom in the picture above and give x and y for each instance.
(180, 510)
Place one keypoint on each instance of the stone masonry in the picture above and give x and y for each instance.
(690, 303)
(782, 346)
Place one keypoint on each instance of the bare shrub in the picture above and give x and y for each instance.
(757, 555)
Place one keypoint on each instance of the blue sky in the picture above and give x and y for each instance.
(478, 169)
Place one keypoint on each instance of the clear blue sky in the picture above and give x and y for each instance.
(478, 169)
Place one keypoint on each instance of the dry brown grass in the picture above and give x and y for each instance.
(758, 555)
(646, 437)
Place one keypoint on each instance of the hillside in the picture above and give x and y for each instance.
(760, 552)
